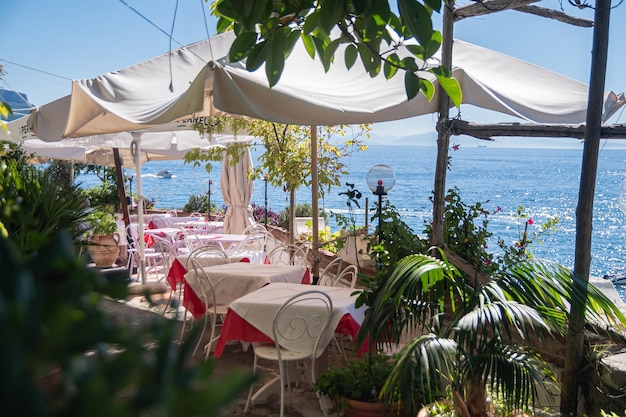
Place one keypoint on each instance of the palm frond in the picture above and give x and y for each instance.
(552, 290)
(420, 366)
(494, 315)
(510, 373)
(411, 297)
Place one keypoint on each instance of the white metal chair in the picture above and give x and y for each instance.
(301, 321)
(254, 241)
(288, 254)
(162, 222)
(214, 310)
(330, 272)
(253, 228)
(163, 247)
(333, 275)
(347, 277)
(199, 258)
(132, 237)
(191, 239)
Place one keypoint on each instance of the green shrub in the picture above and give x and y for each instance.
(302, 210)
(198, 203)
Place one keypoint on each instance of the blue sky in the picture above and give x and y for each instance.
(81, 39)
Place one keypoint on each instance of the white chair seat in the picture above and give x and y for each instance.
(269, 352)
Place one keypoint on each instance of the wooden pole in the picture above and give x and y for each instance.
(314, 207)
(572, 372)
(443, 138)
(120, 185)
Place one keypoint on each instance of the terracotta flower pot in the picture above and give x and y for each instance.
(354, 408)
(104, 249)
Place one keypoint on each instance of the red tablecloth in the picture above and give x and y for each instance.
(191, 300)
(236, 328)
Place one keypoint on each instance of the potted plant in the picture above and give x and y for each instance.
(104, 239)
(355, 386)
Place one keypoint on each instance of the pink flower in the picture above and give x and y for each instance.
(455, 147)
(530, 222)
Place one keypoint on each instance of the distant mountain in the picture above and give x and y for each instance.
(420, 139)
(18, 101)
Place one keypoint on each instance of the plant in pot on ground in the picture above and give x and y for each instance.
(103, 237)
(362, 380)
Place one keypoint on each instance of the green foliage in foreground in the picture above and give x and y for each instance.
(61, 355)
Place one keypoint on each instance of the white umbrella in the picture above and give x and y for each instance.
(237, 190)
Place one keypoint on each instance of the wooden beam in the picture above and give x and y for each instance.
(481, 8)
(487, 7)
(555, 15)
(489, 131)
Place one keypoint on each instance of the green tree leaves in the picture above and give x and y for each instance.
(268, 29)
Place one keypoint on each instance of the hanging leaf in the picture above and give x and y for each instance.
(241, 46)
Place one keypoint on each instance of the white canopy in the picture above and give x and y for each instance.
(140, 96)
(307, 95)
(98, 149)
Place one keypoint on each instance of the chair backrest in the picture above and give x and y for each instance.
(165, 247)
(254, 228)
(172, 213)
(204, 286)
(132, 234)
(347, 277)
(192, 241)
(253, 241)
(195, 214)
(302, 321)
(207, 256)
(288, 254)
(161, 222)
(330, 272)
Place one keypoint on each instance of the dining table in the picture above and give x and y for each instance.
(225, 241)
(233, 280)
(250, 318)
(207, 226)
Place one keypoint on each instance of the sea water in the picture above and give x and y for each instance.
(544, 181)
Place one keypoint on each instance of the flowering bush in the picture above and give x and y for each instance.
(258, 213)
(520, 249)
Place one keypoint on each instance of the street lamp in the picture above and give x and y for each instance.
(129, 199)
(380, 180)
(208, 193)
(265, 180)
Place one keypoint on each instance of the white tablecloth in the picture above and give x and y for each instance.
(259, 307)
(234, 280)
(225, 241)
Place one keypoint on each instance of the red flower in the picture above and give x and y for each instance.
(530, 222)
(455, 147)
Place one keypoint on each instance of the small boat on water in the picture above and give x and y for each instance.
(617, 279)
(165, 174)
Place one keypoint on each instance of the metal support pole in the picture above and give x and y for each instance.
(265, 180)
(380, 192)
(208, 210)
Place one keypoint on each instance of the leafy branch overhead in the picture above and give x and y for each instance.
(267, 30)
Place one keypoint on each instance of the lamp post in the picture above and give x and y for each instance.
(265, 181)
(130, 190)
(380, 180)
(208, 193)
